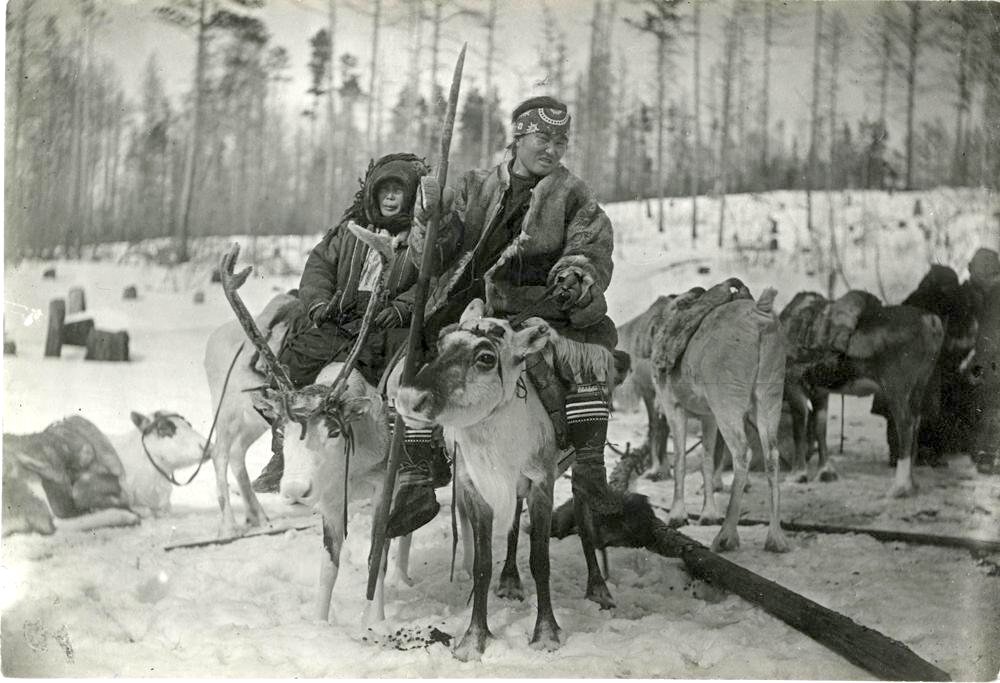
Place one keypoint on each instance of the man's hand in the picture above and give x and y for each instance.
(319, 312)
(390, 316)
(572, 288)
(432, 200)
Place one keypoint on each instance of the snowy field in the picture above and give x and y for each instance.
(113, 603)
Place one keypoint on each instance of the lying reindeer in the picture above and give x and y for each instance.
(891, 352)
(730, 376)
(505, 445)
(337, 434)
(72, 476)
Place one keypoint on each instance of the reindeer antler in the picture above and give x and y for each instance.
(232, 281)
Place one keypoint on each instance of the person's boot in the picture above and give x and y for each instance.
(420, 471)
(269, 479)
(587, 413)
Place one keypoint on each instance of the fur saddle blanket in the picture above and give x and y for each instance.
(816, 326)
(682, 316)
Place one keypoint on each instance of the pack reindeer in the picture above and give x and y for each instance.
(504, 443)
(336, 435)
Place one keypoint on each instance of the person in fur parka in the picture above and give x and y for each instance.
(334, 290)
(529, 234)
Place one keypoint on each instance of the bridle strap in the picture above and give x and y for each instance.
(205, 452)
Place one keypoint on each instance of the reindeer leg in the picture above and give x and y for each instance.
(473, 643)
(825, 471)
(766, 429)
(657, 438)
(800, 440)
(401, 570)
(509, 586)
(709, 436)
(677, 418)
(728, 537)
(254, 510)
(546, 633)
(465, 526)
(597, 589)
(220, 460)
(333, 539)
(906, 437)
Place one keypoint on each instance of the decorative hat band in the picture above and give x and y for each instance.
(551, 121)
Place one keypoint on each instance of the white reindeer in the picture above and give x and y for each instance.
(95, 480)
(335, 439)
(731, 377)
(504, 443)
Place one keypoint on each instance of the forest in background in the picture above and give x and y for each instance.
(87, 162)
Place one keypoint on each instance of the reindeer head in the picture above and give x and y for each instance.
(477, 369)
(320, 421)
(170, 440)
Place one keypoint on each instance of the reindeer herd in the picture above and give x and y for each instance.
(719, 356)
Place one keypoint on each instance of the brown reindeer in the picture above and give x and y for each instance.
(730, 376)
(336, 438)
(890, 351)
(504, 443)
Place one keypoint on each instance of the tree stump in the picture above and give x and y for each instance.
(104, 345)
(9, 347)
(53, 338)
(49, 274)
(199, 297)
(130, 292)
(76, 330)
(76, 302)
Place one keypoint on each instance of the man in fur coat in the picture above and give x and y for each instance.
(508, 236)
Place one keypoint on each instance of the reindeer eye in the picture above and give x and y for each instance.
(486, 360)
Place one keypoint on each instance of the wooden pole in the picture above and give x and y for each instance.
(414, 339)
(879, 655)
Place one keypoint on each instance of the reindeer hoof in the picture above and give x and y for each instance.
(725, 541)
(473, 645)
(653, 475)
(677, 522)
(776, 543)
(510, 588)
(546, 636)
(827, 476)
(400, 578)
(599, 593)
(902, 491)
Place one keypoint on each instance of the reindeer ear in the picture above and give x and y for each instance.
(532, 338)
(140, 421)
(473, 311)
(354, 408)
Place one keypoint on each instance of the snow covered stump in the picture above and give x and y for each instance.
(109, 346)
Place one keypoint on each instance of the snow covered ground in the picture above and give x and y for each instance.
(113, 603)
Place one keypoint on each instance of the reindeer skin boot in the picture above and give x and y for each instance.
(423, 468)
(269, 479)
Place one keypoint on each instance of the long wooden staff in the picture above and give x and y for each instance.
(413, 341)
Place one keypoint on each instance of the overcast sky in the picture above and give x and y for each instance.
(133, 33)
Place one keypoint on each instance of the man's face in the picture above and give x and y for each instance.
(540, 153)
(390, 198)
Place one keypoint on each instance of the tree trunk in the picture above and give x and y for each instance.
(53, 336)
(696, 173)
(834, 260)
(727, 92)
(194, 141)
(661, 59)
(884, 80)
(487, 143)
(430, 143)
(814, 118)
(15, 182)
(765, 124)
(911, 87)
(330, 182)
(370, 118)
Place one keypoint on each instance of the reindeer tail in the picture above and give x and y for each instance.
(764, 308)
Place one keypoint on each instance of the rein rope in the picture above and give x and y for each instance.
(205, 452)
